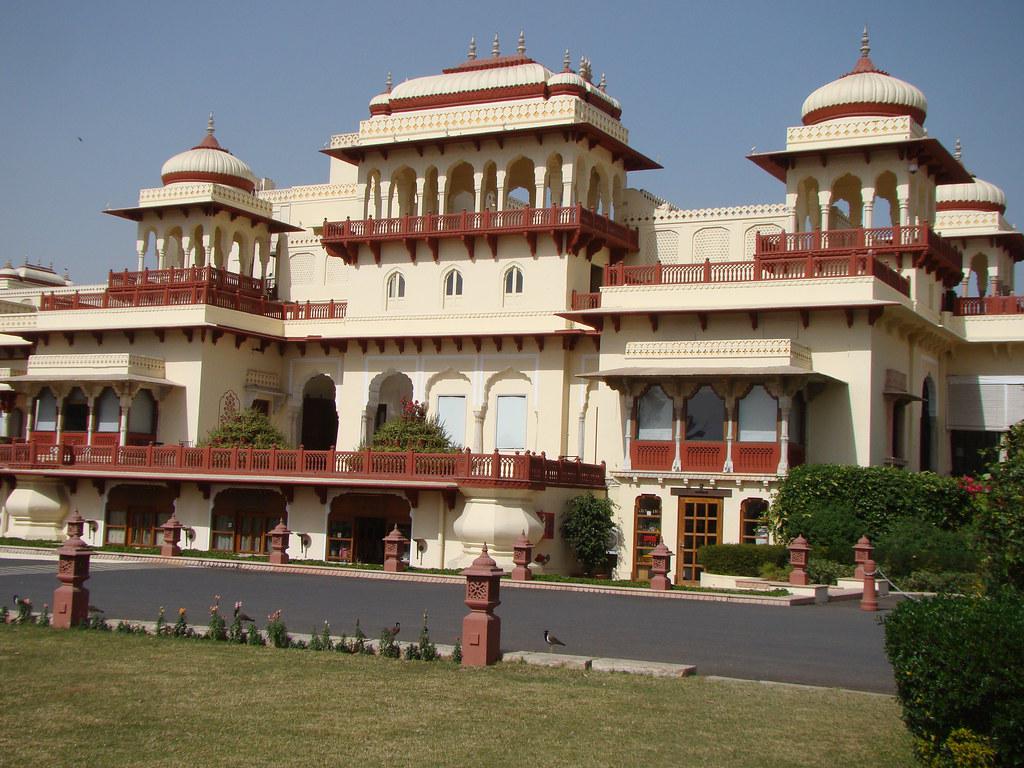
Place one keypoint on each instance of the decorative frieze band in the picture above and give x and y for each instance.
(719, 349)
(122, 362)
(902, 127)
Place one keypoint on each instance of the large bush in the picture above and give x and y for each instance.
(589, 530)
(741, 559)
(248, 428)
(959, 664)
(913, 545)
(999, 497)
(414, 430)
(873, 498)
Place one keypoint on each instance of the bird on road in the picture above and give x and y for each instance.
(393, 631)
(551, 640)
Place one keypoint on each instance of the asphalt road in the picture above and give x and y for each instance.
(830, 645)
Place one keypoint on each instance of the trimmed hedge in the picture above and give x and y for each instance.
(874, 497)
(741, 559)
(913, 545)
(959, 664)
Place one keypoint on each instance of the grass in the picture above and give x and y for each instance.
(99, 699)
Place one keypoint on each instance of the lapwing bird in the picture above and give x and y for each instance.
(20, 601)
(551, 640)
(94, 609)
(393, 631)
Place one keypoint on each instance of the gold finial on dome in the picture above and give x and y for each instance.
(495, 47)
(865, 45)
(603, 85)
(388, 83)
(956, 148)
(209, 125)
(585, 71)
(521, 47)
(566, 61)
(471, 55)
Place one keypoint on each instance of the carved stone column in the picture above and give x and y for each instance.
(627, 460)
(785, 406)
(478, 429)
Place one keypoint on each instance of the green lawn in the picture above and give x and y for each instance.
(98, 699)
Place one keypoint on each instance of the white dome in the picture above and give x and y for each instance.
(976, 195)
(866, 90)
(380, 98)
(208, 161)
(483, 79)
(568, 78)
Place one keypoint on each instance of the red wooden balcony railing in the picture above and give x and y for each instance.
(174, 295)
(583, 226)
(988, 305)
(805, 267)
(240, 463)
(212, 277)
(695, 456)
(918, 239)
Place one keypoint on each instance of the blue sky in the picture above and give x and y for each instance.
(700, 83)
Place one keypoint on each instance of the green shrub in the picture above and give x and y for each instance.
(915, 545)
(821, 570)
(741, 559)
(959, 663)
(1000, 515)
(773, 572)
(248, 428)
(945, 581)
(875, 497)
(413, 430)
(833, 531)
(589, 530)
(962, 749)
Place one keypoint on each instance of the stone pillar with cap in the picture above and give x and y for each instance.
(279, 543)
(481, 629)
(172, 535)
(394, 547)
(869, 598)
(71, 598)
(661, 564)
(522, 554)
(862, 551)
(798, 550)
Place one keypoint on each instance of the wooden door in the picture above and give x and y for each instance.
(700, 523)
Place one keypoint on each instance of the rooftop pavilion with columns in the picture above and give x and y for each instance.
(478, 247)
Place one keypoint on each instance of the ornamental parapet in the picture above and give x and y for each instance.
(520, 470)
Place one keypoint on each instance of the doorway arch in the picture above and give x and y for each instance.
(358, 523)
(319, 414)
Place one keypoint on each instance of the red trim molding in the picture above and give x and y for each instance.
(216, 178)
(863, 109)
(972, 205)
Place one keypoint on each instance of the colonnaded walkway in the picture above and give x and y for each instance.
(830, 645)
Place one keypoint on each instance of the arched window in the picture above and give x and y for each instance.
(705, 416)
(513, 281)
(46, 412)
(927, 428)
(108, 412)
(76, 411)
(654, 415)
(758, 416)
(142, 414)
(396, 286)
(453, 283)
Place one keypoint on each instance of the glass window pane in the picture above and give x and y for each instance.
(451, 412)
(46, 412)
(108, 412)
(223, 541)
(757, 416)
(511, 423)
(140, 416)
(654, 415)
(117, 517)
(705, 416)
(115, 535)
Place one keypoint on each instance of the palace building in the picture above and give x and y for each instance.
(483, 244)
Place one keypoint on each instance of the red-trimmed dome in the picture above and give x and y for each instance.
(208, 161)
(865, 91)
(979, 195)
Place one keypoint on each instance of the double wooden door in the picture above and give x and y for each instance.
(700, 524)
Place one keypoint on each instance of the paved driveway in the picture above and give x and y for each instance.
(831, 645)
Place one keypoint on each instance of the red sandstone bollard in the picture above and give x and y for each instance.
(172, 535)
(661, 564)
(798, 550)
(481, 629)
(868, 600)
(71, 599)
(394, 547)
(279, 544)
(862, 552)
(522, 553)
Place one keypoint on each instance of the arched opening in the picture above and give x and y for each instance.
(519, 184)
(75, 417)
(15, 426)
(886, 209)
(319, 414)
(654, 415)
(977, 278)
(758, 416)
(45, 424)
(371, 199)
(513, 281)
(927, 428)
(753, 525)
(489, 190)
(403, 192)
(596, 199)
(430, 191)
(135, 514)
(705, 416)
(392, 391)
(174, 252)
(242, 519)
(142, 419)
(461, 193)
(808, 211)
(395, 288)
(847, 204)
(358, 523)
(108, 418)
(453, 286)
(198, 250)
(553, 181)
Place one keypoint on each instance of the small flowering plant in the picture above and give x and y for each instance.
(216, 629)
(277, 632)
(973, 485)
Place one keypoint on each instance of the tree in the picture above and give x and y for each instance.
(413, 430)
(999, 521)
(589, 530)
(248, 428)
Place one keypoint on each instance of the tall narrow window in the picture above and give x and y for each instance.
(705, 416)
(758, 416)
(46, 412)
(511, 423)
(453, 283)
(514, 281)
(654, 415)
(396, 286)
(451, 412)
(108, 412)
